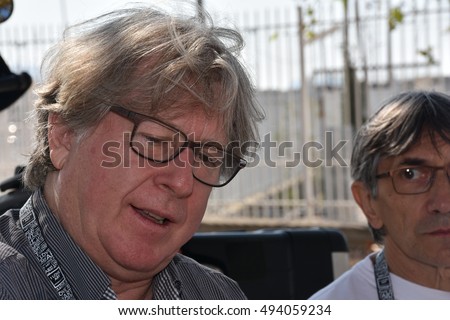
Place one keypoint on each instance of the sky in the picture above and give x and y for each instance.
(72, 11)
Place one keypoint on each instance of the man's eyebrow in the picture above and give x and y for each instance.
(209, 142)
(413, 161)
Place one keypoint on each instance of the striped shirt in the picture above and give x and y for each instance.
(40, 261)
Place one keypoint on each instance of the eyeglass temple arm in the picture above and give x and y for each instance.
(383, 175)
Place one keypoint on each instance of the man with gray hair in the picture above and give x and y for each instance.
(140, 114)
(401, 167)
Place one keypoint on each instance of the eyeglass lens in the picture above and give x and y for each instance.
(414, 180)
(159, 143)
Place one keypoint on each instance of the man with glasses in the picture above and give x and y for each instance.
(139, 116)
(401, 167)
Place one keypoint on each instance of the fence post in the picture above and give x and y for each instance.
(306, 119)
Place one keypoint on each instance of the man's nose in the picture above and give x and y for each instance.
(439, 200)
(177, 175)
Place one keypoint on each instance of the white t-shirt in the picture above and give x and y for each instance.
(358, 283)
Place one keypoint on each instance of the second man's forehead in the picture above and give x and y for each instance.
(423, 154)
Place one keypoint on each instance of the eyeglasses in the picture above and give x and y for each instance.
(160, 142)
(413, 180)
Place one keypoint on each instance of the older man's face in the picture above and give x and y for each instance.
(417, 226)
(133, 218)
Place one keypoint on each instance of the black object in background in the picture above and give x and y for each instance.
(280, 264)
(12, 86)
(17, 195)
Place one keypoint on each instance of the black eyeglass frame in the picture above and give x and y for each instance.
(138, 118)
(430, 182)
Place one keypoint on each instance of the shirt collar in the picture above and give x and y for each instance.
(167, 284)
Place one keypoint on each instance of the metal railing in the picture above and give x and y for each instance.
(322, 69)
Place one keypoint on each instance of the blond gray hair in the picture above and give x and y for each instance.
(144, 59)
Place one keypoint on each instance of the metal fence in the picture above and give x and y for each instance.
(320, 69)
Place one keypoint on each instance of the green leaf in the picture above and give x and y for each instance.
(396, 17)
(273, 36)
(428, 54)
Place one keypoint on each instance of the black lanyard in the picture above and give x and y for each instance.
(382, 278)
(33, 232)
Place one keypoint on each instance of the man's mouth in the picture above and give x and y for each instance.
(441, 232)
(151, 216)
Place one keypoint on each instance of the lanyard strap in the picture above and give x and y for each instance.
(382, 278)
(33, 232)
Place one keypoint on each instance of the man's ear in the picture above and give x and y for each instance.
(59, 140)
(364, 199)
